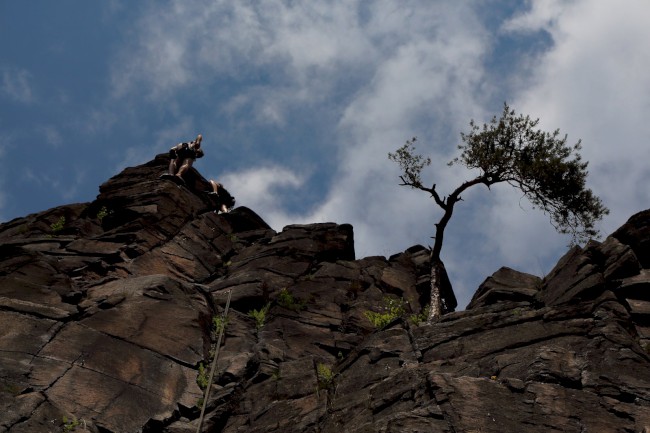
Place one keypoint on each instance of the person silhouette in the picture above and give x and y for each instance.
(225, 201)
(183, 155)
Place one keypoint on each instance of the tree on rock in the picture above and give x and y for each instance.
(550, 173)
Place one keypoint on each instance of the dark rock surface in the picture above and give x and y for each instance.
(107, 321)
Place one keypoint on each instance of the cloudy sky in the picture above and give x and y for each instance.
(299, 103)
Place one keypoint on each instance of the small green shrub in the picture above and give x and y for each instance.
(391, 310)
(103, 212)
(325, 376)
(203, 378)
(260, 316)
(69, 425)
(418, 319)
(287, 300)
(219, 323)
(58, 226)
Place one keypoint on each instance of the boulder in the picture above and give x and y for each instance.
(110, 312)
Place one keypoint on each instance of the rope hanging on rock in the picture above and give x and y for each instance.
(206, 395)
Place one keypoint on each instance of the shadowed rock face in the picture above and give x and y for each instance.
(107, 308)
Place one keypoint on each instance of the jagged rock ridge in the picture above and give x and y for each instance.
(107, 315)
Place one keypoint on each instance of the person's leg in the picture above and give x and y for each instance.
(215, 190)
(215, 186)
(173, 166)
(187, 163)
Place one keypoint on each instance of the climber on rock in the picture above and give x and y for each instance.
(183, 155)
(224, 200)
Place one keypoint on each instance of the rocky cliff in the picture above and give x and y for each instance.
(109, 313)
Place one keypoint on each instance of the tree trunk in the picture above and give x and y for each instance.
(435, 308)
(443, 300)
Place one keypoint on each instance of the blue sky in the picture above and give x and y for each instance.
(300, 102)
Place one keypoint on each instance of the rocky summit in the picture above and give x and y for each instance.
(110, 312)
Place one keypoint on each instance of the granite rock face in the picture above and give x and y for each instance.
(109, 313)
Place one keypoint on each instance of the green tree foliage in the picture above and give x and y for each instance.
(550, 173)
(509, 149)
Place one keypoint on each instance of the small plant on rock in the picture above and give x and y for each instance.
(203, 377)
(391, 310)
(325, 376)
(260, 316)
(287, 300)
(420, 318)
(69, 424)
(103, 212)
(58, 225)
(219, 324)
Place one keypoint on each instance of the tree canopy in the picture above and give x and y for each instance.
(509, 149)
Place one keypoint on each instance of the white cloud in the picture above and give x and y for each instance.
(96, 121)
(593, 86)
(260, 188)
(16, 84)
(163, 139)
(111, 8)
(298, 52)
(56, 182)
(541, 15)
(74, 184)
(389, 71)
(52, 136)
(411, 70)
(422, 87)
(590, 84)
(425, 82)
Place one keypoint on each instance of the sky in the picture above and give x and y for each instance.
(299, 103)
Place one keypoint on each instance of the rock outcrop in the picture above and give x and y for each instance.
(109, 312)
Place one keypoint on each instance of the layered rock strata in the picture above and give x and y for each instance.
(109, 312)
